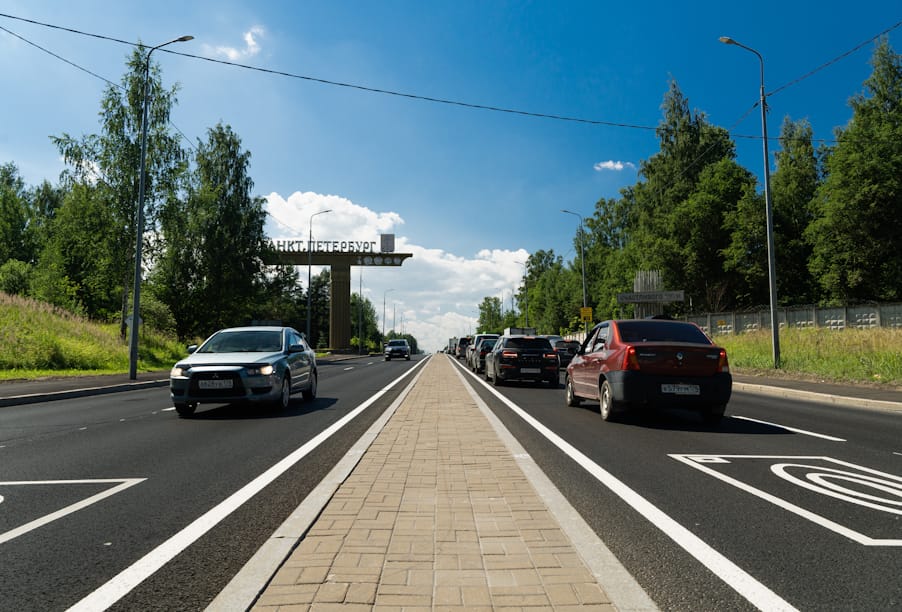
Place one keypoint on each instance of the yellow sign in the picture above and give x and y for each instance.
(585, 314)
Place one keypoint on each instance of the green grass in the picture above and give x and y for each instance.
(39, 340)
(851, 355)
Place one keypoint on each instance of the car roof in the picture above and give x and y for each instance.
(254, 328)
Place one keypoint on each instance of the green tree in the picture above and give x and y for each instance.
(793, 188)
(363, 314)
(111, 160)
(16, 241)
(219, 230)
(856, 237)
(490, 321)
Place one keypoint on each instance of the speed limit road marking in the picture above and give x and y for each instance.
(849, 483)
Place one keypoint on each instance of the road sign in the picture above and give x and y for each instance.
(585, 314)
(647, 297)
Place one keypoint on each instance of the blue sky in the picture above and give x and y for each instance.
(470, 192)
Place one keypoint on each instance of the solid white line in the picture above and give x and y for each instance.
(121, 584)
(735, 577)
(793, 429)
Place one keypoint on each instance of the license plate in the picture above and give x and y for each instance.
(530, 371)
(214, 384)
(681, 389)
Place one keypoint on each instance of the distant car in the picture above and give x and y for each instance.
(636, 363)
(471, 348)
(482, 348)
(522, 358)
(258, 365)
(562, 354)
(397, 348)
(460, 351)
(565, 350)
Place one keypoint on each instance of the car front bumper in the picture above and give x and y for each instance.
(198, 388)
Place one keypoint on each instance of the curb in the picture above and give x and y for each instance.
(34, 398)
(823, 398)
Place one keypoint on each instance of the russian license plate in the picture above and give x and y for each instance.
(530, 371)
(681, 389)
(215, 384)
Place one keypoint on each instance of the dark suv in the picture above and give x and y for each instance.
(522, 358)
(397, 348)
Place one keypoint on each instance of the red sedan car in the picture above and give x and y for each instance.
(650, 362)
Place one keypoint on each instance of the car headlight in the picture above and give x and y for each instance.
(178, 371)
(265, 370)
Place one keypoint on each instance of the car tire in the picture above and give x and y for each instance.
(573, 400)
(712, 415)
(281, 403)
(407, 358)
(607, 406)
(310, 392)
(496, 380)
(185, 409)
(554, 383)
(485, 373)
(387, 358)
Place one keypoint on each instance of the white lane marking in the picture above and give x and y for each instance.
(787, 428)
(121, 584)
(170, 409)
(123, 483)
(350, 368)
(370, 362)
(696, 461)
(735, 577)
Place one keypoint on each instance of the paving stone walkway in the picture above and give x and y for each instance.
(437, 515)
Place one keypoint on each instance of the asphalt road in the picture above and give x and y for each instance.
(786, 504)
(172, 472)
(748, 514)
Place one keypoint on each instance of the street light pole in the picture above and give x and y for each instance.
(384, 293)
(139, 219)
(309, 267)
(582, 257)
(769, 212)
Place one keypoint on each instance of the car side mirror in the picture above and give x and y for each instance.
(297, 348)
(191, 348)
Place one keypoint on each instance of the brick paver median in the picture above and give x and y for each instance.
(437, 514)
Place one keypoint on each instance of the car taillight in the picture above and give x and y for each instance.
(550, 355)
(723, 365)
(509, 354)
(630, 359)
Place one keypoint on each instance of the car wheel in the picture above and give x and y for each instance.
(407, 358)
(713, 414)
(572, 398)
(554, 382)
(387, 358)
(185, 409)
(310, 392)
(496, 380)
(485, 372)
(284, 394)
(609, 407)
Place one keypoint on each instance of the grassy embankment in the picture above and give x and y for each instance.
(38, 340)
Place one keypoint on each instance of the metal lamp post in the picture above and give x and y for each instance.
(769, 211)
(384, 293)
(139, 219)
(309, 268)
(582, 257)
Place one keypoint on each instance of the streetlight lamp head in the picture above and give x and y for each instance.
(185, 38)
(727, 40)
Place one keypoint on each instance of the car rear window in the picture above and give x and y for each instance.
(661, 331)
(528, 343)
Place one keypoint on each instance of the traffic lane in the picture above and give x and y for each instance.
(191, 465)
(639, 452)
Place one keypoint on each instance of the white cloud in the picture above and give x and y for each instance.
(613, 165)
(251, 46)
(434, 295)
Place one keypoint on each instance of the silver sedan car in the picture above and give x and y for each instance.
(261, 365)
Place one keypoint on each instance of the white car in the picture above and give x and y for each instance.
(258, 365)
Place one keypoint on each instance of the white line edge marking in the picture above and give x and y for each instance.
(126, 580)
(350, 368)
(735, 577)
(124, 483)
(692, 460)
(793, 429)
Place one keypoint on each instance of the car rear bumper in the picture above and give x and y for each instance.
(637, 388)
(509, 372)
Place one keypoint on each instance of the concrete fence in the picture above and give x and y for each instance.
(800, 317)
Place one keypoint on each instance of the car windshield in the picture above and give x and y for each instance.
(527, 343)
(661, 331)
(397, 343)
(250, 341)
